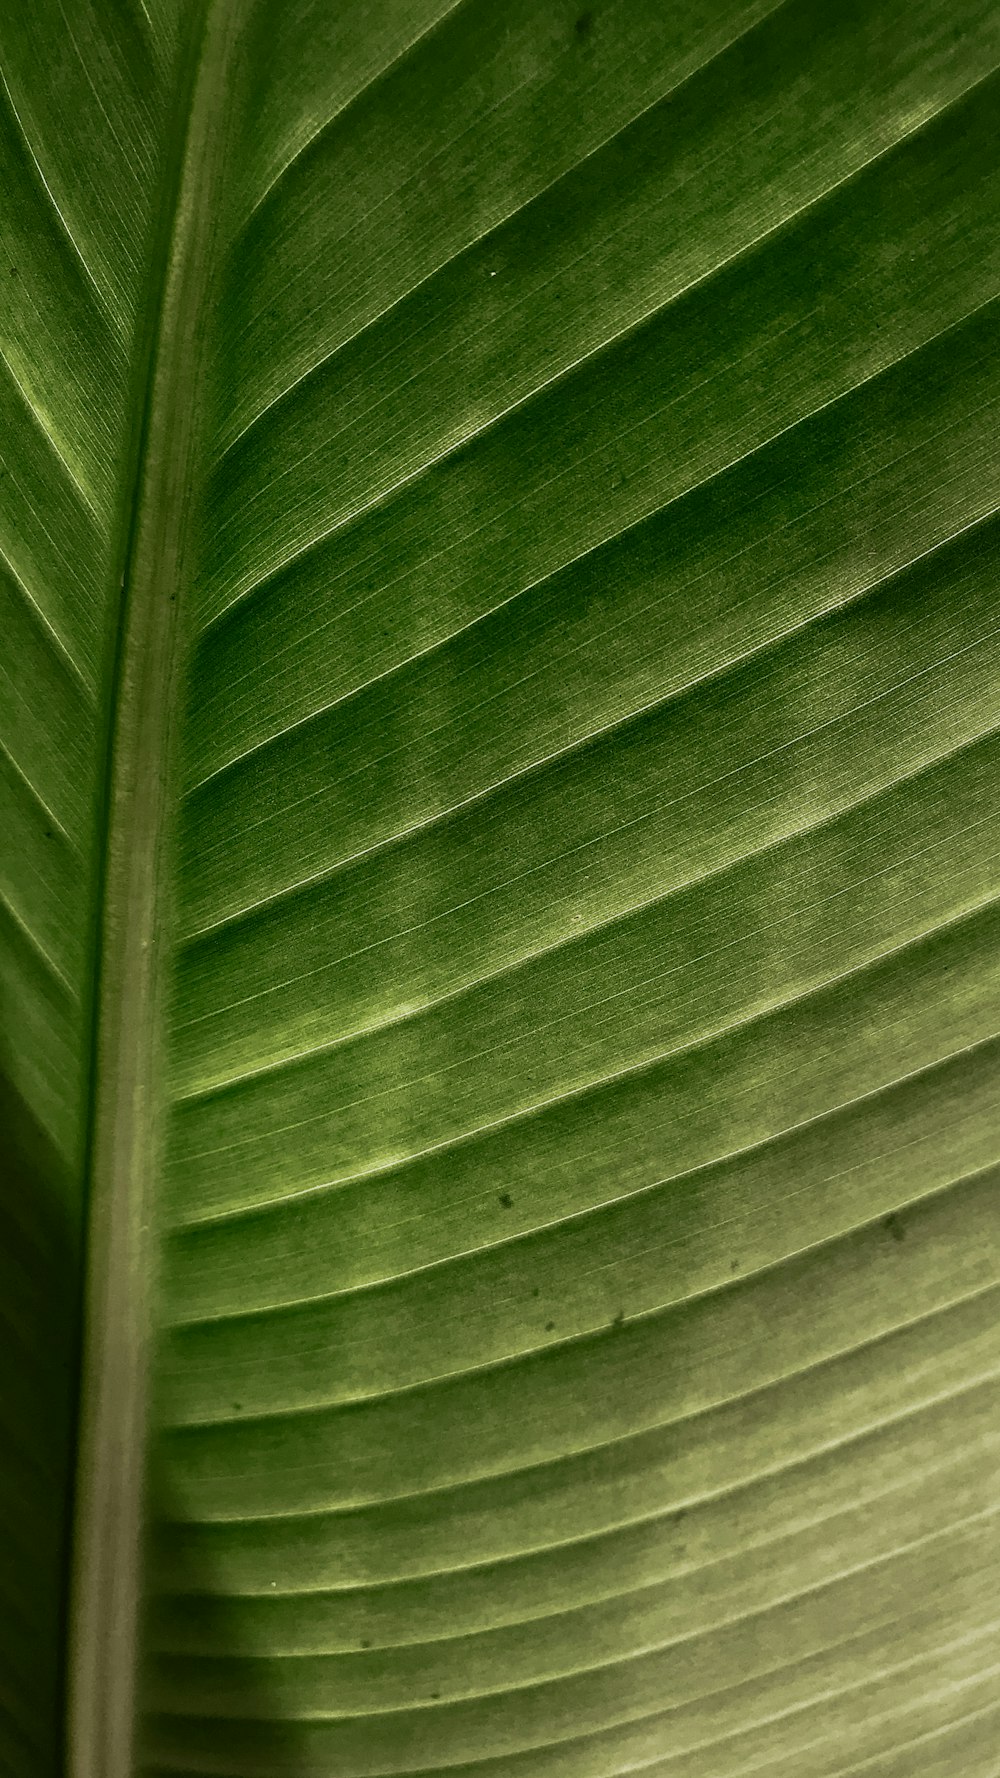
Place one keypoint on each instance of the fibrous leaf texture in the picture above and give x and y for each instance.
(499, 924)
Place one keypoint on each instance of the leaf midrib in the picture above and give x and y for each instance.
(133, 920)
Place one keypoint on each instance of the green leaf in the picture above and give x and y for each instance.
(499, 931)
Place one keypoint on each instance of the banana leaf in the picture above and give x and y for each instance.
(499, 922)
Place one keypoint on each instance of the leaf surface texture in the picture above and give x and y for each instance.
(499, 935)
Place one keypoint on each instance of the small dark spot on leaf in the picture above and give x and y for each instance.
(13, 271)
(619, 1319)
(365, 1642)
(535, 1291)
(583, 24)
(435, 1695)
(237, 1407)
(893, 1226)
(734, 1265)
(550, 1327)
(48, 833)
(680, 1514)
(506, 1201)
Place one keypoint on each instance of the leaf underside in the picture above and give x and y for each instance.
(499, 923)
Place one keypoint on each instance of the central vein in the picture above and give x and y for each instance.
(128, 1066)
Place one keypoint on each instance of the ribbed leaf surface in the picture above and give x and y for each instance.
(501, 791)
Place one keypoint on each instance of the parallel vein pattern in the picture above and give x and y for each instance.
(563, 441)
(581, 1201)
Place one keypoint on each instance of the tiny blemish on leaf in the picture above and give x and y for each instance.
(506, 1201)
(365, 1642)
(583, 23)
(893, 1226)
(619, 1319)
(535, 1290)
(550, 1327)
(734, 1265)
